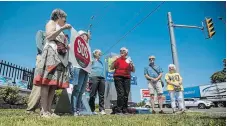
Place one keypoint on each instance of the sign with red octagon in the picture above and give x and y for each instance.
(79, 52)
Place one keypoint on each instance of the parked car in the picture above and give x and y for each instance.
(189, 103)
(201, 104)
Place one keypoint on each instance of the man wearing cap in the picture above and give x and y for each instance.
(97, 80)
(122, 77)
(80, 80)
(153, 74)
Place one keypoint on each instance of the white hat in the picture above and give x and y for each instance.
(96, 50)
(81, 32)
(125, 49)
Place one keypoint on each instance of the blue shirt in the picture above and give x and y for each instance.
(150, 72)
(97, 69)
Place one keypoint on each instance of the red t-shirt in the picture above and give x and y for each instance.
(122, 68)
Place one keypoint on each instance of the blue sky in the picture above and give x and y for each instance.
(199, 58)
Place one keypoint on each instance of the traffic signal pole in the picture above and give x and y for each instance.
(173, 40)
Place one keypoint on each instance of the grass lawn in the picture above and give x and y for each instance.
(12, 117)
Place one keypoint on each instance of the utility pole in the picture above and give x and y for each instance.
(173, 42)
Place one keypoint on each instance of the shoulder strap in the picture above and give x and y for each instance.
(155, 70)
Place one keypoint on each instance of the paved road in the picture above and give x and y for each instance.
(212, 111)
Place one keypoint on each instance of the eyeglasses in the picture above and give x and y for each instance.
(122, 50)
(151, 59)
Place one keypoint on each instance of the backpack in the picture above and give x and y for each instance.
(40, 41)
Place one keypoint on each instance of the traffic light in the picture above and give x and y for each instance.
(210, 27)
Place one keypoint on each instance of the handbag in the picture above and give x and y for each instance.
(177, 89)
(61, 48)
(158, 74)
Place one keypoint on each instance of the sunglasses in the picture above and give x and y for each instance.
(151, 59)
(122, 50)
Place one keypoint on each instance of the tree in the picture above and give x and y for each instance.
(141, 104)
(219, 76)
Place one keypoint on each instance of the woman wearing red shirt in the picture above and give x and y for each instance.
(122, 77)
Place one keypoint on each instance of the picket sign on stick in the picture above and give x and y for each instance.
(79, 52)
(80, 57)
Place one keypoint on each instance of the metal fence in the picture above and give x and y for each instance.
(17, 72)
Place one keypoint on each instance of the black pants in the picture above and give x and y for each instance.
(122, 86)
(97, 84)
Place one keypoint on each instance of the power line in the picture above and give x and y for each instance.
(94, 16)
(154, 10)
(137, 14)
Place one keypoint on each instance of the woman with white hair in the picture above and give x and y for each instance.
(122, 78)
(52, 71)
(80, 81)
(175, 87)
(97, 80)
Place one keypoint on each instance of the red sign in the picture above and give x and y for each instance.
(81, 52)
(145, 93)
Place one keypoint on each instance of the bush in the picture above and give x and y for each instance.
(10, 95)
(24, 100)
(96, 106)
(57, 96)
(141, 104)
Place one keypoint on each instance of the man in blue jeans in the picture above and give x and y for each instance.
(80, 82)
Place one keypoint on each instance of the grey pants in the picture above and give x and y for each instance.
(34, 98)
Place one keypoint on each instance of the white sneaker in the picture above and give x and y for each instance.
(103, 112)
(45, 115)
(76, 113)
(55, 115)
(94, 113)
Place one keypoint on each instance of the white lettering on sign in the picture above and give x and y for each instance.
(82, 49)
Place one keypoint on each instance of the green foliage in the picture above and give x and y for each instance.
(218, 77)
(141, 104)
(24, 100)
(12, 117)
(57, 95)
(96, 106)
(10, 95)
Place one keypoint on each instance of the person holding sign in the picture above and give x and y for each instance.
(153, 74)
(53, 70)
(175, 87)
(79, 81)
(122, 78)
(97, 82)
